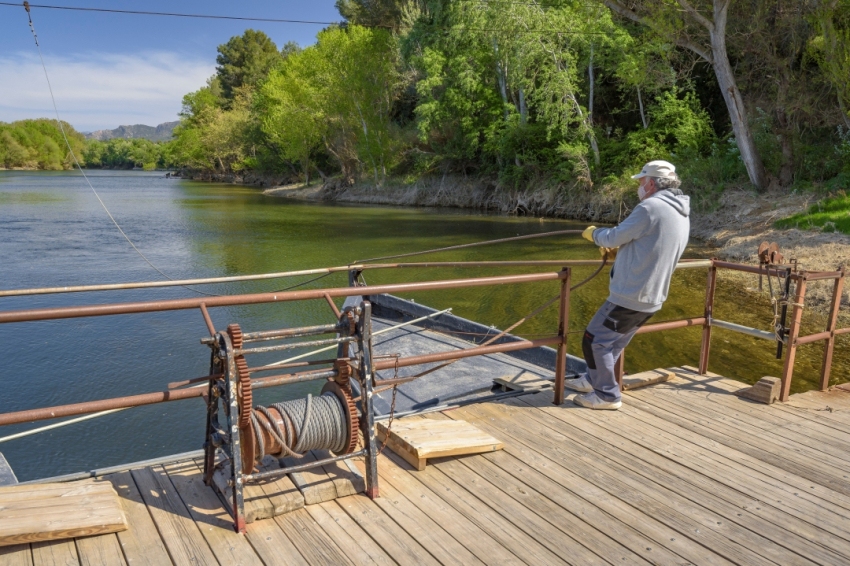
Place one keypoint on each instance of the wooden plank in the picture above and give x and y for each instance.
(185, 543)
(315, 484)
(348, 536)
(140, 543)
(427, 532)
(257, 503)
(646, 378)
(346, 477)
(394, 540)
(816, 411)
(821, 467)
(690, 520)
(213, 520)
(17, 555)
(56, 511)
(541, 519)
(282, 493)
(771, 417)
(525, 381)
(315, 546)
(738, 485)
(803, 486)
(488, 549)
(272, 544)
(789, 534)
(533, 463)
(581, 520)
(416, 440)
(497, 526)
(55, 553)
(748, 425)
(100, 550)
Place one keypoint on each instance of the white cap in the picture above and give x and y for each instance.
(659, 169)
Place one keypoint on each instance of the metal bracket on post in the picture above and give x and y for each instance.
(366, 377)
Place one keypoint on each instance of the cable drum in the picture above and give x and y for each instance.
(311, 423)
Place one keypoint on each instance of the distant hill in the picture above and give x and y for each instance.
(163, 132)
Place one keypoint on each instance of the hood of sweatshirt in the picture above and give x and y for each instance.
(680, 202)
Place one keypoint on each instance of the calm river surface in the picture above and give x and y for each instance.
(53, 232)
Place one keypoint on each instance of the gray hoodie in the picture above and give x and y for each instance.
(651, 241)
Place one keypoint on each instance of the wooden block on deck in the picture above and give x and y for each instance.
(523, 382)
(766, 390)
(262, 501)
(645, 378)
(416, 440)
(44, 512)
(328, 482)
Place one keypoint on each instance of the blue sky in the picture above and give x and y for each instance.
(114, 69)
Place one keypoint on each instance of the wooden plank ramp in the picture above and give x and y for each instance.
(687, 472)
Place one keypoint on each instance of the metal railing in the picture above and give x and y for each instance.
(789, 336)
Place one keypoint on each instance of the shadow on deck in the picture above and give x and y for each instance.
(686, 472)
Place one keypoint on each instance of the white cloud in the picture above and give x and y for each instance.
(95, 91)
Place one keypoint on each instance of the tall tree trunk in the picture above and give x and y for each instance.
(642, 114)
(732, 97)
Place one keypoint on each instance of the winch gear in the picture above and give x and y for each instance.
(244, 395)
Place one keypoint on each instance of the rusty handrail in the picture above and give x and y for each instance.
(26, 315)
(683, 264)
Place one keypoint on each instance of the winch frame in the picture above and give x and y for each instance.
(224, 445)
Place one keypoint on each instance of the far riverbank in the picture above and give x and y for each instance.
(733, 230)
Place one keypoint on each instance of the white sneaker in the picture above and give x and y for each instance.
(580, 383)
(592, 401)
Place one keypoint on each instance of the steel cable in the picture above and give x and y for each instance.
(311, 423)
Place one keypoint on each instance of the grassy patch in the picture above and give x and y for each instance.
(830, 215)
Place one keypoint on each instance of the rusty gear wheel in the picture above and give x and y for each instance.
(351, 417)
(244, 394)
(343, 376)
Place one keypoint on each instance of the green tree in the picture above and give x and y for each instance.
(244, 61)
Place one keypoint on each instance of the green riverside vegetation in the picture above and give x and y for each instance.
(566, 96)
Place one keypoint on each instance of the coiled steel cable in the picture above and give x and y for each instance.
(311, 423)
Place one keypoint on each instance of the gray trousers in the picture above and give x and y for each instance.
(609, 332)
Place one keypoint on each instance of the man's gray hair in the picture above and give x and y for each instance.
(667, 183)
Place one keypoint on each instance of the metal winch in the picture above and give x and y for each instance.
(239, 434)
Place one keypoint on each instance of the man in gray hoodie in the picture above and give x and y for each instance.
(650, 241)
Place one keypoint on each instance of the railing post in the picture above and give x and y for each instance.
(792, 334)
(563, 333)
(620, 368)
(706, 327)
(829, 347)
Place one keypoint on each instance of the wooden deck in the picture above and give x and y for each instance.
(684, 473)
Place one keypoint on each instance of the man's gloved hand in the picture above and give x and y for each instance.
(610, 253)
(588, 233)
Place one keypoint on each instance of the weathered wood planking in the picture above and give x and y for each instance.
(141, 543)
(212, 519)
(263, 499)
(417, 440)
(325, 483)
(44, 512)
(525, 381)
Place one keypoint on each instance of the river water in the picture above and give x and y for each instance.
(53, 232)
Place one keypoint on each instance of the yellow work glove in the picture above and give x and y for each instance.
(588, 233)
(610, 253)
